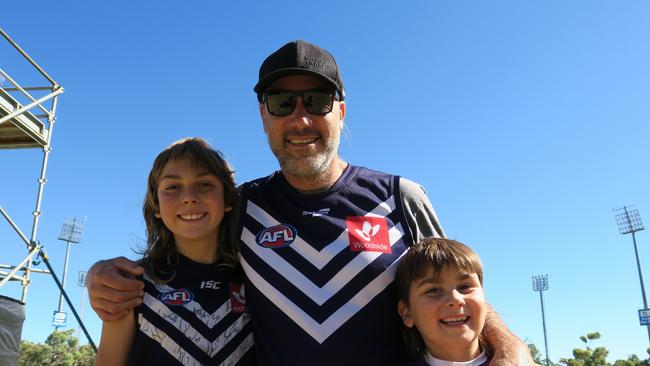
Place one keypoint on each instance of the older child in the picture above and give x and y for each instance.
(193, 311)
(441, 302)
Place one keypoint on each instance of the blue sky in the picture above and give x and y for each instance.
(527, 122)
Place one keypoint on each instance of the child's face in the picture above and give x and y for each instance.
(448, 311)
(191, 203)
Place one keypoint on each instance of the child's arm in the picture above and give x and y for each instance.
(117, 338)
(507, 349)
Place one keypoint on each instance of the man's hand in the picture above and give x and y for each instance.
(517, 356)
(507, 349)
(113, 289)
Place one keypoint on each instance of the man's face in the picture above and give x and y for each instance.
(304, 144)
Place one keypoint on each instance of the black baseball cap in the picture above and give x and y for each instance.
(299, 57)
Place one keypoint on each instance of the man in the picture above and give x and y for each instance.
(320, 239)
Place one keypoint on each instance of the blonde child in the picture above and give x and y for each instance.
(193, 310)
(442, 304)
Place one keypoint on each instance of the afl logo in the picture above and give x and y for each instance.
(176, 297)
(276, 236)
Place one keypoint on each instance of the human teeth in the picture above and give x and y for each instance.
(302, 141)
(455, 320)
(192, 216)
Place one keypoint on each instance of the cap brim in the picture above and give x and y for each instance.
(278, 74)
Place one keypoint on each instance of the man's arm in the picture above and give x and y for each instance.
(113, 289)
(420, 215)
(507, 348)
(423, 223)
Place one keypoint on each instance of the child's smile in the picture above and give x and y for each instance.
(457, 321)
(193, 217)
(191, 205)
(448, 309)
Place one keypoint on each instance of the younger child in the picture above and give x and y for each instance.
(441, 302)
(193, 310)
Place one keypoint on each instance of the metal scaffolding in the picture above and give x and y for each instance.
(26, 121)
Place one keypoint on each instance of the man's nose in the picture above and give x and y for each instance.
(300, 114)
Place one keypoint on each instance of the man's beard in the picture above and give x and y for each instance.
(306, 166)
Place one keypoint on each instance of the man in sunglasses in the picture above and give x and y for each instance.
(320, 238)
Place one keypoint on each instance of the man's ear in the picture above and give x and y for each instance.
(261, 105)
(405, 314)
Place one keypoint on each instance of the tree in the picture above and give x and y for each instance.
(60, 349)
(589, 356)
(598, 356)
(633, 360)
(534, 353)
(589, 337)
(537, 357)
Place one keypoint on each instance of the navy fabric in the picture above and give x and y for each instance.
(320, 269)
(199, 318)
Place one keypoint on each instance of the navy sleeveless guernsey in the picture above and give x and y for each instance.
(199, 318)
(320, 269)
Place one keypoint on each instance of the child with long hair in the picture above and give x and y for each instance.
(194, 309)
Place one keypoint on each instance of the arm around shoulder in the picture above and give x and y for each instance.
(116, 342)
(507, 349)
(113, 288)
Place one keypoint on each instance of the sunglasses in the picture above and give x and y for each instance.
(282, 102)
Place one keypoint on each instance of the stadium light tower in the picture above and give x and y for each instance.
(540, 284)
(629, 222)
(71, 232)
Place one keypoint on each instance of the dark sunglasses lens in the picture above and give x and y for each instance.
(280, 104)
(318, 102)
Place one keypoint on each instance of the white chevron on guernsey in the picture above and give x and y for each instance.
(318, 258)
(384, 208)
(239, 352)
(210, 348)
(210, 320)
(321, 331)
(318, 294)
(183, 356)
(166, 342)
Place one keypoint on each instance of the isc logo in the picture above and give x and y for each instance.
(215, 285)
(176, 297)
(276, 236)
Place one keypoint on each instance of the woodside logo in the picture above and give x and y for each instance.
(368, 234)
